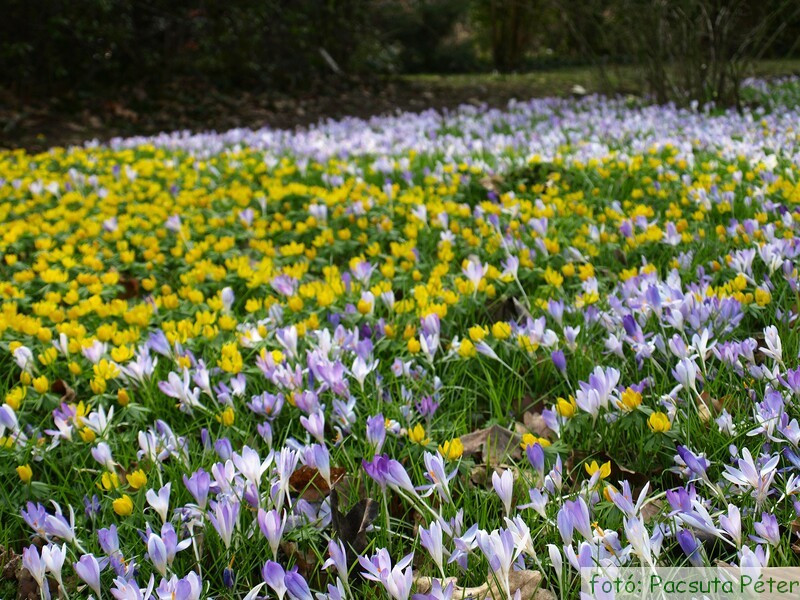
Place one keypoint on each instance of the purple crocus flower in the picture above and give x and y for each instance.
(274, 576)
(499, 549)
(337, 558)
(187, 588)
(427, 407)
(88, 569)
(535, 454)
(437, 592)
(223, 448)
(57, 525)
(579, 515)
(767, 530)
(397, 581)
(691, 547)
(91, 506)
(564, 524)
(102, 454)
(37, 568)
(224, 518)
(272, 525)
(376, 431)
(695, 464)
(431, 540)
(198, 485)
(109, 540)
(315, 425)
(296, 586)
(559, 360)
(732, 524)
(504, 487)
(387, 471)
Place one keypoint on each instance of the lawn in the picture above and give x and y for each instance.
(458, 354)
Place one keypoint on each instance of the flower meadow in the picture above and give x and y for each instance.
(435, 355)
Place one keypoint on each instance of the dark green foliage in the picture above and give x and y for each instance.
(57, 45)
(687, 48)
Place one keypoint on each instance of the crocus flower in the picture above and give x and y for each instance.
(37, 568)
(396, 580)
(53, 557)
(250, 465)
(224, 518)
(88, 569)
(274, 576)
(296, 586)
(376, 432)
(431, 540)
(767, 530)
(691, 547)
(198, 485)
(504, 487)
(337, 558)
(160, 501)
(272, 525)
(499, 549)
(750, 476)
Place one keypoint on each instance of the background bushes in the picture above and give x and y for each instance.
(51, 47)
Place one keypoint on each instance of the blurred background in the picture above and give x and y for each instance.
(76, 69)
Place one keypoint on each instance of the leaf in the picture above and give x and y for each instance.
(651, 509)
(62, 388)
(493, 443)
(351, 528)
(528, 583)
(130, 287)
(310, 485)
(534, 422)
(305, 561)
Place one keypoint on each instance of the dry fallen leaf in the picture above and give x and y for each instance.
(351, 528)
(493, 443)
(534, 422)
(62, 387)
(651, 509)
(528, 583)
(310, 485)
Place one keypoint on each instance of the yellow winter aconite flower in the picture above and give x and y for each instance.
(566, 408)
(630, 399)
(226, 417)
(231, 359)
(105, 370)
(109, 481)
(15, 397)
(593, 467)
(122, 353)
(659, 422)
(477, 333)
(417, 435)
(553, 278)
(25, 473)
(466, 349)
(137, 479)
(123, 506)
(501, 330)
(123, 397)
(452, 449)
(41, 384)
(529, 439)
